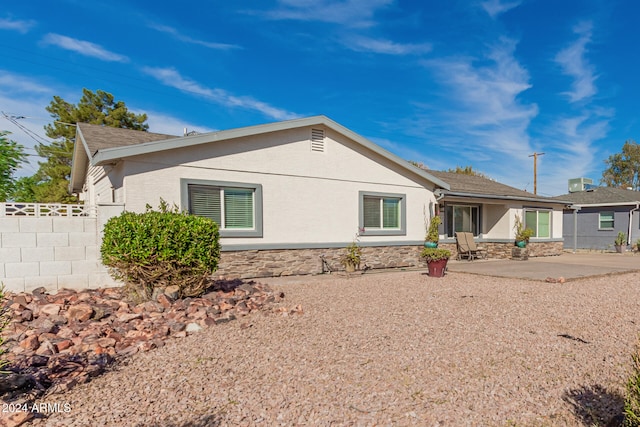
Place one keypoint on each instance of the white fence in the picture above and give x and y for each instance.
(52, 245)
(46, 209)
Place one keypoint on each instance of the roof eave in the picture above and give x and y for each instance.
(113, 155)
(79, 161)
(505, 197)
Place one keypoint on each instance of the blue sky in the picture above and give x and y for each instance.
(483, 83)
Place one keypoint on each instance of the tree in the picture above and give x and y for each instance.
(11, 155)
(96, 108)
(24, 190)
(467, 170)
(623, 169)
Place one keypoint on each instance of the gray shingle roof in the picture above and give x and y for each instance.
(472, 184)
(602, 196)
(98, 137)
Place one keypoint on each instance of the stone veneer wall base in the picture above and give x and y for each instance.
(289, 262)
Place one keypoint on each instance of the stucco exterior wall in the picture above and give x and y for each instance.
(309, 198)
(590, 236)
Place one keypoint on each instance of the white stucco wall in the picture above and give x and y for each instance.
(308, 197)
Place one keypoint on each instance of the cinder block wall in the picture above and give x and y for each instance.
(54, 252)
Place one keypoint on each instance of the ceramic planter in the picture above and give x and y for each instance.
(437, 268)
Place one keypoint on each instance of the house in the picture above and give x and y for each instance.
(598, 214)
(288, 195)
(488, 209)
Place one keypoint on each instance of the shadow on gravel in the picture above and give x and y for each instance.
(595, 405)
(204, 421)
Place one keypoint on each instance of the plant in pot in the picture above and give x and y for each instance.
(522, 234)
(436, 260)
(431, 241)
(351, 259)
(620, 242)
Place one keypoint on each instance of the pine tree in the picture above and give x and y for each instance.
(96, 108)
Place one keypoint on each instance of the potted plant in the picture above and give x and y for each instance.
(522, 234)
(620, 242)
(351, 259)
(431, 241)
(436, 260)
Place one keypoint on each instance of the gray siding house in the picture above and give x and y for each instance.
(597, 215)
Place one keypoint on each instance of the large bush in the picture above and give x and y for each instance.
(156, 249)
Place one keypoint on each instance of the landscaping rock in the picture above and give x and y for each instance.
(56, 341)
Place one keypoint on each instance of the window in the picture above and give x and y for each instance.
(539, 221)
(462, 218)
(382, 213)
(236, 207)
(605, 220)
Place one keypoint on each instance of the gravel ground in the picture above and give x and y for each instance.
(387, 349)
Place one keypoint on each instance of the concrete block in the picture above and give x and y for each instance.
(68, 224)
(21, 269)
(70, 253)
(84, 267)
(36, 225)
(91, 225)
(9, 225)
(18, 240)
(1, 270)
(15, 284)
(52, 239)
(55, 268)
(50, 283)
(93, 253)
(73, 281)
(36, 254)
(9, 255)
(103, 280)
(82, 239)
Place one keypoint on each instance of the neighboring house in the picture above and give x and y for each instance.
(598, 214)
(288, 194)
(488, 209)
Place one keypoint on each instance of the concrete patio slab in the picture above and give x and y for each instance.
(568, 265)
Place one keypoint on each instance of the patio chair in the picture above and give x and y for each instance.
(477, 251)
(464, 251)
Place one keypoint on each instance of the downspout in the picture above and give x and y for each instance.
(631, 221)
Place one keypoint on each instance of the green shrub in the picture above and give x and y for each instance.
(632, 398)
(156, 249)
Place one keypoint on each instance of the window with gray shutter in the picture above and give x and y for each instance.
(235, 208)
(382, 214)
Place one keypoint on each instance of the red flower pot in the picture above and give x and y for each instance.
(437, 268)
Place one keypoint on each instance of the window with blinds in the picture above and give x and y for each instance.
(382, 214)
(231, 208)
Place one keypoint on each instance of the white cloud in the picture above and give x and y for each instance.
(175, 33)
(171, 77)
(497, 7)
(365, 44)
(83, 47)
(16, 25)
(573, 62)
(352, 13)
(171, 125)
(486, 101)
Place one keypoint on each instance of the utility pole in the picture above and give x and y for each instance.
(535, 171)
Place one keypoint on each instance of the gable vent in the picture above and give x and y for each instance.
(317, 140)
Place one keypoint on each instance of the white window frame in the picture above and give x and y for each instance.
(613, 220)
(380, 231)
(537, 211)
(256, 231)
